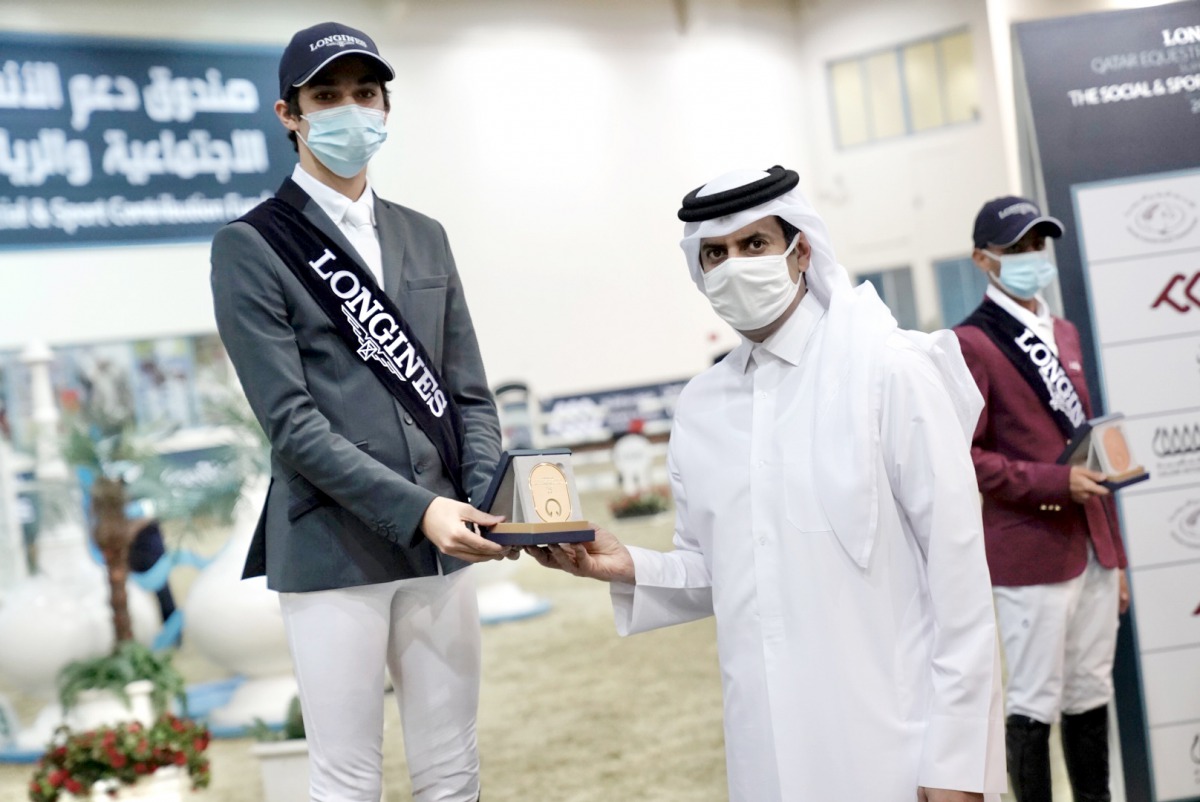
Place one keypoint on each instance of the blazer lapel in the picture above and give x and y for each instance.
(1070, 356)
(391, 247)
(293, 194)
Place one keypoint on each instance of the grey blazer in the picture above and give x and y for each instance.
(351, 475)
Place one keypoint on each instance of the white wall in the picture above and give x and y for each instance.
(554, 140)
(911, 200)
(556, 150)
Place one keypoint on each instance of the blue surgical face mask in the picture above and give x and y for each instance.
(345, 138)
(1023, 275)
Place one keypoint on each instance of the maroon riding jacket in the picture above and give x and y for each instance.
(1033, 532)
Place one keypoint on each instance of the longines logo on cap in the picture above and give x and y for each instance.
(1185, 523)
(337, 40)
(1161, 217)
(1024, 207)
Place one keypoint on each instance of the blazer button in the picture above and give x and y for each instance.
(407, 419)
(419, 468)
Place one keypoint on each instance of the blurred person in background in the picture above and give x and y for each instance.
(1053, 542)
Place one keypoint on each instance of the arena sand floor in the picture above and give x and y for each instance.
(569, 711)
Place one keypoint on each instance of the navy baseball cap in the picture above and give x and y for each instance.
(312, 48)
(1005, 220)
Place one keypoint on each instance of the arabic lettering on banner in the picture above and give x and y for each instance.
(119, 141)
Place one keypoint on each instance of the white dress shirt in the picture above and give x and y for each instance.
(1041, 322)
(355, 219)
(840, 682)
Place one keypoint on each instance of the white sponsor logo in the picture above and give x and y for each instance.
(1181, 36)
(1063, 397)
(1177, 448)
(337, 40)
(1018, 208)
(379, 336)
(1161, 217)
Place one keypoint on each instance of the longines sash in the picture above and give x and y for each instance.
(368, 321)
(1036, 363)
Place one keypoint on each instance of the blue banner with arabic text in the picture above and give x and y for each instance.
(123, 141)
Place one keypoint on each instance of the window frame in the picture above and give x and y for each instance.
(897, 51)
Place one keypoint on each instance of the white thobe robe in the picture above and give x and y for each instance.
(841, 683)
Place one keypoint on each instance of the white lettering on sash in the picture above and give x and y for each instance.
(325, 257)
(339, 277)
(409, 362)
(368, 306)
(425, 385)
(400, 340)
(1063, 397)
(438, 403)
(381, 334)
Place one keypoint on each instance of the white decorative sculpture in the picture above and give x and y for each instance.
(500, 598)
(61, 613)
(8, 723)
(13, 566)
(236, 624)
(633, 456)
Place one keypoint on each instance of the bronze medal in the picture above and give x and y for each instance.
(551, 494)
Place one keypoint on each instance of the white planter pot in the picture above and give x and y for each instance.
(94, 708)
(97, 708)
(284, 768)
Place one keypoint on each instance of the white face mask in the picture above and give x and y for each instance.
(750, 292)
(345, 138)
(1023, 275)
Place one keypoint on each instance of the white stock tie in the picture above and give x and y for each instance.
(356, 224)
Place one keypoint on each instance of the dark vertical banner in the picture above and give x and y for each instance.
(1113, 104)
(118, 141)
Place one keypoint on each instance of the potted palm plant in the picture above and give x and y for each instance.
(142, 681)
(109, 453)
(131, 677)
(119, 731)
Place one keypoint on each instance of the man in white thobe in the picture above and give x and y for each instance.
(827, 515)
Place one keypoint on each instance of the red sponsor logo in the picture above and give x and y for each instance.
(1181, 293)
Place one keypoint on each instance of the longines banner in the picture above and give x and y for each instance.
(1114, 105)
(116, 141)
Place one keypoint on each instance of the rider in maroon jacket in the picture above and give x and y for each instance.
(1051, 532)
